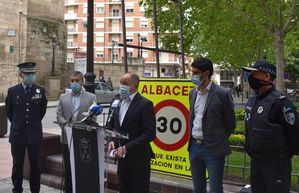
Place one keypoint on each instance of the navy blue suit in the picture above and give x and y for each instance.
(25, 111)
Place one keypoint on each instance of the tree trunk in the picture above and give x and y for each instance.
(279, 58)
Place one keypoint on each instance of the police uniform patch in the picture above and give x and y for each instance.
(289, 116)
(260, 109)
(37, 90)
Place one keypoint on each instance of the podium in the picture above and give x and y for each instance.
(86, 144)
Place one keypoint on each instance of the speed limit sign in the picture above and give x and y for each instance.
(172, 125)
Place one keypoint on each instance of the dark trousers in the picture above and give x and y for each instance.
(271, 176)
(67, 169)
(134, 177)
(18, 155)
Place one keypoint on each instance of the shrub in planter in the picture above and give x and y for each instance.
(237, 139)
(240, 114)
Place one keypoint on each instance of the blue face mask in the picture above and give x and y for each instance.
(29, 79)
(196, 79)
(124, 91)
(75, 86)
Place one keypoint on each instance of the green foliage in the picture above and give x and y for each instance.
(237, 139)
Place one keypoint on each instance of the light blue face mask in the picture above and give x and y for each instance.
(124, 91)
(196, 79)
(75, 86)
(29, 79)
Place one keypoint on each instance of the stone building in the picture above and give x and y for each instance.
(31, 30)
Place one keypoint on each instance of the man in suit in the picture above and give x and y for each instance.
(135, 116)
(25, 106)
(212, 120)
(69, 110)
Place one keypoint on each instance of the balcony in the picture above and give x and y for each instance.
(71, 45)
(70, 2)
(115, 1)
(115, 14)
(115, 30)
(70, 16)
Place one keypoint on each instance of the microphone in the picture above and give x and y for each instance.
(94, 110)
(114, 105)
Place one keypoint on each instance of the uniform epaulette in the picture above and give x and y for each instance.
(282, 97)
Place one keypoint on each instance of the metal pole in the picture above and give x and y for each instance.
(156, 38)
(123, 15)
(138, 45)
(20, 20)
(113, 52)
(90, 76)
(53, 59)
(182, 37)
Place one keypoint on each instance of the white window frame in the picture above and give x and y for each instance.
(100, 7)
(84, 8)
(130, 22)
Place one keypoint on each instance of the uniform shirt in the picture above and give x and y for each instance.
(281, 113)
(199, 106)
(125, 106)
(25, 86)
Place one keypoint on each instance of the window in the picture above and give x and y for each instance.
(99, 54)
(130, 38)
(144, 54)
(100, 9)
(130, 52)
(130, 22)
(100, 24)
(99, 38)
(143, 22)
(115, 13)
(130, 8)
(85, 8)
(84, 39)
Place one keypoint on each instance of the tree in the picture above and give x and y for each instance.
(231, 33)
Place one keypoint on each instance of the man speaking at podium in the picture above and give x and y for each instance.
(70, 108)
(134, 116)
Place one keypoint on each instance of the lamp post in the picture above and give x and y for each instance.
(90, 76)
(54, 44)
(138, 45)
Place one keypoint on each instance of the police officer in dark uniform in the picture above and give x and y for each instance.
(271, 127)
(25, 107)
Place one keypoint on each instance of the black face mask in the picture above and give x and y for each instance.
(255, 83)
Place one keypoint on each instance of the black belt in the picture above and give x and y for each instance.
(198, 141)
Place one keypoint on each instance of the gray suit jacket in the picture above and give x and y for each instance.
(65, 110)
(218, 120)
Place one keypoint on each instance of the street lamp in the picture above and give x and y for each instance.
(55, 42)
(113, 43)
(138, 45)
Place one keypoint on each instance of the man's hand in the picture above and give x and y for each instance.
(120, 152)
(111, 146)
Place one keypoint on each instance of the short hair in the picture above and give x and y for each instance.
(134, 79)
(79, 74)
(203, 64)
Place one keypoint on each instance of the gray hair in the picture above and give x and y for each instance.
(78, 74)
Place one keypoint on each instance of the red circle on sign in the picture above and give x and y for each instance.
(184, 139)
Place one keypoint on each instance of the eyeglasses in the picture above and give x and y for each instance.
(75, 80)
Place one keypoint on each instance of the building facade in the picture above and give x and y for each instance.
(108, 57)
(29, 31)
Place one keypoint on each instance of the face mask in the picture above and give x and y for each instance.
(255, 83)
(29, 79)
(124, 91)
(75, 86)
(196, 79)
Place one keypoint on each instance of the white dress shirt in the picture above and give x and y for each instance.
(199, 106)
(125, 106)
(75, 104)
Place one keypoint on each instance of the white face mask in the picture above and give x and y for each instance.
(124, 91)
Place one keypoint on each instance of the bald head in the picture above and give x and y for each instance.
(130, 79)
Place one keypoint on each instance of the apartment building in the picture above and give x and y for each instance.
(108, 33)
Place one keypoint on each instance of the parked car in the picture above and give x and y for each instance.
(103, 92)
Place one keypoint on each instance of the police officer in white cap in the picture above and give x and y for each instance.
(271, 132)
(25, 106)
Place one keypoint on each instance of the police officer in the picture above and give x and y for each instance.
(271, 126)
(25, 107)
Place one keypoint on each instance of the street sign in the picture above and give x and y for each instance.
(171, 103)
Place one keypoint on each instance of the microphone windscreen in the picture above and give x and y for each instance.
(96, 109)
(115, 103)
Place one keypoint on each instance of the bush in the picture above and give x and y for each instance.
(240, 114)
(237, 139)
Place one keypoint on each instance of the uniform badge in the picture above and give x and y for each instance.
(37, 90)
(289, 116)
(260, 109)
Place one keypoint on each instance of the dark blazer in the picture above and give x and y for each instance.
(218, 120)
(140, 124)
(25, 112)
